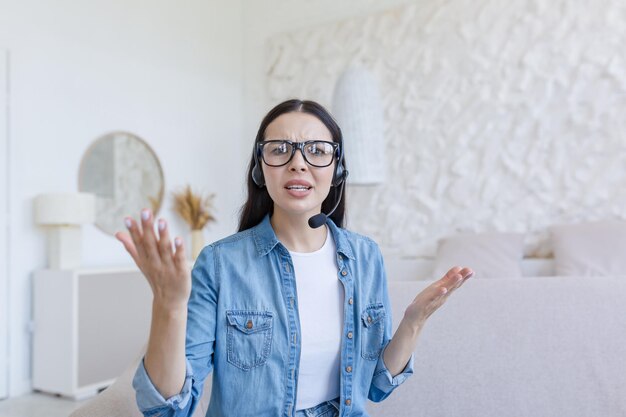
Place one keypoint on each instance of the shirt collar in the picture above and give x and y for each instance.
(265, 239)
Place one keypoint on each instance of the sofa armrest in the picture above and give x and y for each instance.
(118, 400)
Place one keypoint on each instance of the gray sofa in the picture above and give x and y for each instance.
(534, 347)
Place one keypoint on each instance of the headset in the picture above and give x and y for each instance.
(339, 179)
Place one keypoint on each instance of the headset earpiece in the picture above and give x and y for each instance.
(257, 171)
(340, 173)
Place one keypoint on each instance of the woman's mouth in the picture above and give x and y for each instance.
(298, 188)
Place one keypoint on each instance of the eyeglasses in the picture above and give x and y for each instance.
(318, 153)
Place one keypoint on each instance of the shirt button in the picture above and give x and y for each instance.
(350, 301)
(348, 369)
(249, 324)
(344, 273)
(349, 335)
(369, 319)
(348, 402)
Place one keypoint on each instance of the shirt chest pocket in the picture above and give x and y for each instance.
(372, 331)
(249, 338)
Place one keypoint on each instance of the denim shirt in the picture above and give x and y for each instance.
(243, 326)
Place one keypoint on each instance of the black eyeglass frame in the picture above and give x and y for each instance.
(294, 147)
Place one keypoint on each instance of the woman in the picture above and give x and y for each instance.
(291, 314)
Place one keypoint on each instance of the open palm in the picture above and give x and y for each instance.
(433, 296)
(164, 267)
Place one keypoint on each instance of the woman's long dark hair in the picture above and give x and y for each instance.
(259, 203)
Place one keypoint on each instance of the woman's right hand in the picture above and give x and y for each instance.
(166, 270)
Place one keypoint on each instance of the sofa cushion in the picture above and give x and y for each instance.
(490, 255)
(590, 249)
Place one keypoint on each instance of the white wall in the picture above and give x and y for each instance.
(264, 20)
(169, 72)
(500, 116)
(4, 247)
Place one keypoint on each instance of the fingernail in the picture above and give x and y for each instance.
(161, 224)
(177, 241)
(128, 222)
(445, 290)
(145, 214)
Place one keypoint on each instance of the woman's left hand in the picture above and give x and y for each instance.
(433, 296)
(403, 342)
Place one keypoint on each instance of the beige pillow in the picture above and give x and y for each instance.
(490, 255)
(590, 249)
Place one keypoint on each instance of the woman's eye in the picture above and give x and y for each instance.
(279, 150)
(315, 149)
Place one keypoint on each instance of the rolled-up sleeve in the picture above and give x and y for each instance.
(383, 383)
(199, 348)
(149, 399)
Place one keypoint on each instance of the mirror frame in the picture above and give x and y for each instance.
(159, 204)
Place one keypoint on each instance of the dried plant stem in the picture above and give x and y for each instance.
(193, 208)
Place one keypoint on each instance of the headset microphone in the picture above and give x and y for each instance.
(319, 219)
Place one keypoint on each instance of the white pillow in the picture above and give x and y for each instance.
(590, 249)
(489, 255)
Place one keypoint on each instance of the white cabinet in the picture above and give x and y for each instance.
(89, 325)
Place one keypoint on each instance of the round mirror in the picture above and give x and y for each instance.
(125, 175)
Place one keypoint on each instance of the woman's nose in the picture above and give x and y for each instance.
(297, 162)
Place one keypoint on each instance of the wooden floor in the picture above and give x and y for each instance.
(38, 405)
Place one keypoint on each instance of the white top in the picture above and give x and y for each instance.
(320, 306)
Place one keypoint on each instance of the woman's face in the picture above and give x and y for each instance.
(285, 183)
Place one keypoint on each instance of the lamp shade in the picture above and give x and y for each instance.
(65, 209)
(358, 110)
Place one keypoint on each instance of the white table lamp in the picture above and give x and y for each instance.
(62, 215)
